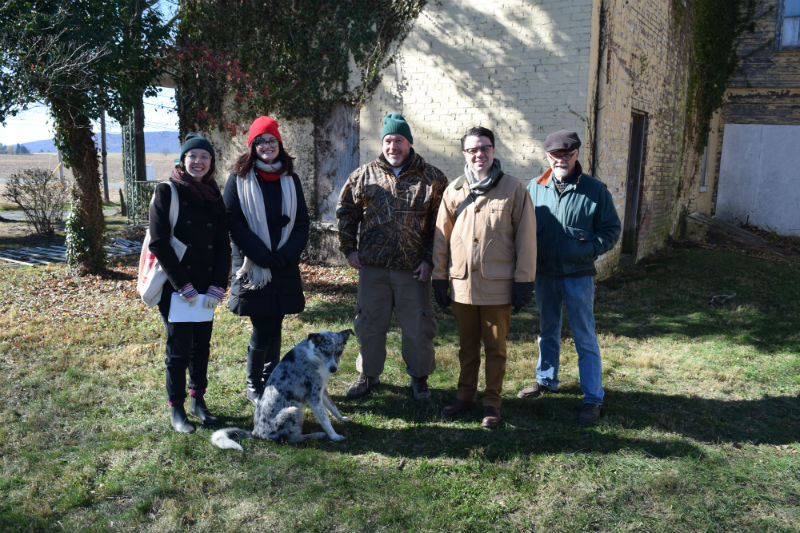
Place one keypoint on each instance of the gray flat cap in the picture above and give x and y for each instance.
(562, 141)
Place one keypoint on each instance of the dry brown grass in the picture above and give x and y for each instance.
(10, 164)
(13, 163)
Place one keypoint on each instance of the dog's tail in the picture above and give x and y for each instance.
(224, 438)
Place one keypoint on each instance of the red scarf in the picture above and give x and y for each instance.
(268, 176)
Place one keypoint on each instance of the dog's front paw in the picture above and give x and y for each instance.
(345, 419)
(336, 437)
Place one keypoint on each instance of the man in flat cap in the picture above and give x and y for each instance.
(387, 216)
(576, 222)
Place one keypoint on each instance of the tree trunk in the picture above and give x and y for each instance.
(337, 152)
(86, 224)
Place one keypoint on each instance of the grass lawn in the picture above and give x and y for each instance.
(701, 430)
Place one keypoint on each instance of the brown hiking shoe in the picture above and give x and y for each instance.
(491, 417)
(419, 388)
(362, 386)
(534, 391)
(458, 407)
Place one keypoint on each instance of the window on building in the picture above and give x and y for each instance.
(789, 25)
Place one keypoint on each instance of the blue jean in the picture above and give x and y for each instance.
(577, 295)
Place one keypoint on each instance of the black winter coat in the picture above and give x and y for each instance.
(204, 231)
(284, 293)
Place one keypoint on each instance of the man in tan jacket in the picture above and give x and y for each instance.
(485, 243)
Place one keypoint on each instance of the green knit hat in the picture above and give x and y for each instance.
(395, 123)
(195, 140)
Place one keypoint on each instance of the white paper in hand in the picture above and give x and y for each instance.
(181, 310)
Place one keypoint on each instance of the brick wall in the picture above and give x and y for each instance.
(762, 64)
(642, 69)
(518, 68)
(524, 69)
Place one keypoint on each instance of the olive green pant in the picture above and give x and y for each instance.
(381, 291)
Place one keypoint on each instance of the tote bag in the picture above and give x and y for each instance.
(151, 278)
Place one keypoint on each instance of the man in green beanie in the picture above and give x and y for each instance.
(387, 216)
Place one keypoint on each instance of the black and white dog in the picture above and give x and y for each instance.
(301, 377)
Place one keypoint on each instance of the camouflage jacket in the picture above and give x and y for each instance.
(397, 216)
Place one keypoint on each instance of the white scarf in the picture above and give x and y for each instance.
(252, 203)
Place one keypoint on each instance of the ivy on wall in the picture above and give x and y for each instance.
(236, 60)
(716, 27)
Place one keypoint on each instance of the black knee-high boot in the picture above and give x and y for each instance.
(273, 357)
(176, 392)
(255, 373)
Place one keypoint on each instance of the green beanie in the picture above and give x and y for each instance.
(195, 140)
(395, 123)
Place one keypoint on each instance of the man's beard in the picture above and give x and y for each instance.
(560, 172)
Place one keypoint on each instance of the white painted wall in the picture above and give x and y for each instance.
(759, 177)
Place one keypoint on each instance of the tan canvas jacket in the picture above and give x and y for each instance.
(489, 246)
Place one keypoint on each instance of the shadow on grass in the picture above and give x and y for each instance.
(341, 306)
(30, 241)
(768, 325)
(657, 425)
(677, 293)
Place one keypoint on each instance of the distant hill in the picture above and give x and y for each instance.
(155, 142)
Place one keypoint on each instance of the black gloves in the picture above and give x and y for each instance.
(273, 260)
(521, 294)
(441, 292)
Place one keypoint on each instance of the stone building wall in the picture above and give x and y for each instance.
(765, 90)
(524, 69)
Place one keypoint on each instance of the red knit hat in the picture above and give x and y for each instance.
(263, 125)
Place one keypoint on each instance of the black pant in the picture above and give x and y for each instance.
(188, 345)
(265, 329)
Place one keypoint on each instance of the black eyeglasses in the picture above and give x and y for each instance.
(270, 142)
(562, 155)
(474, 151)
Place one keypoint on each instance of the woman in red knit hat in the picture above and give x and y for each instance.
(268, 223)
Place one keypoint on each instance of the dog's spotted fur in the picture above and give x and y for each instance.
(299, 378)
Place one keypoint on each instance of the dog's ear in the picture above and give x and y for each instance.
(316, 338)
(345, 333)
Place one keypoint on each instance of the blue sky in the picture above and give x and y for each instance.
(35, 124)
